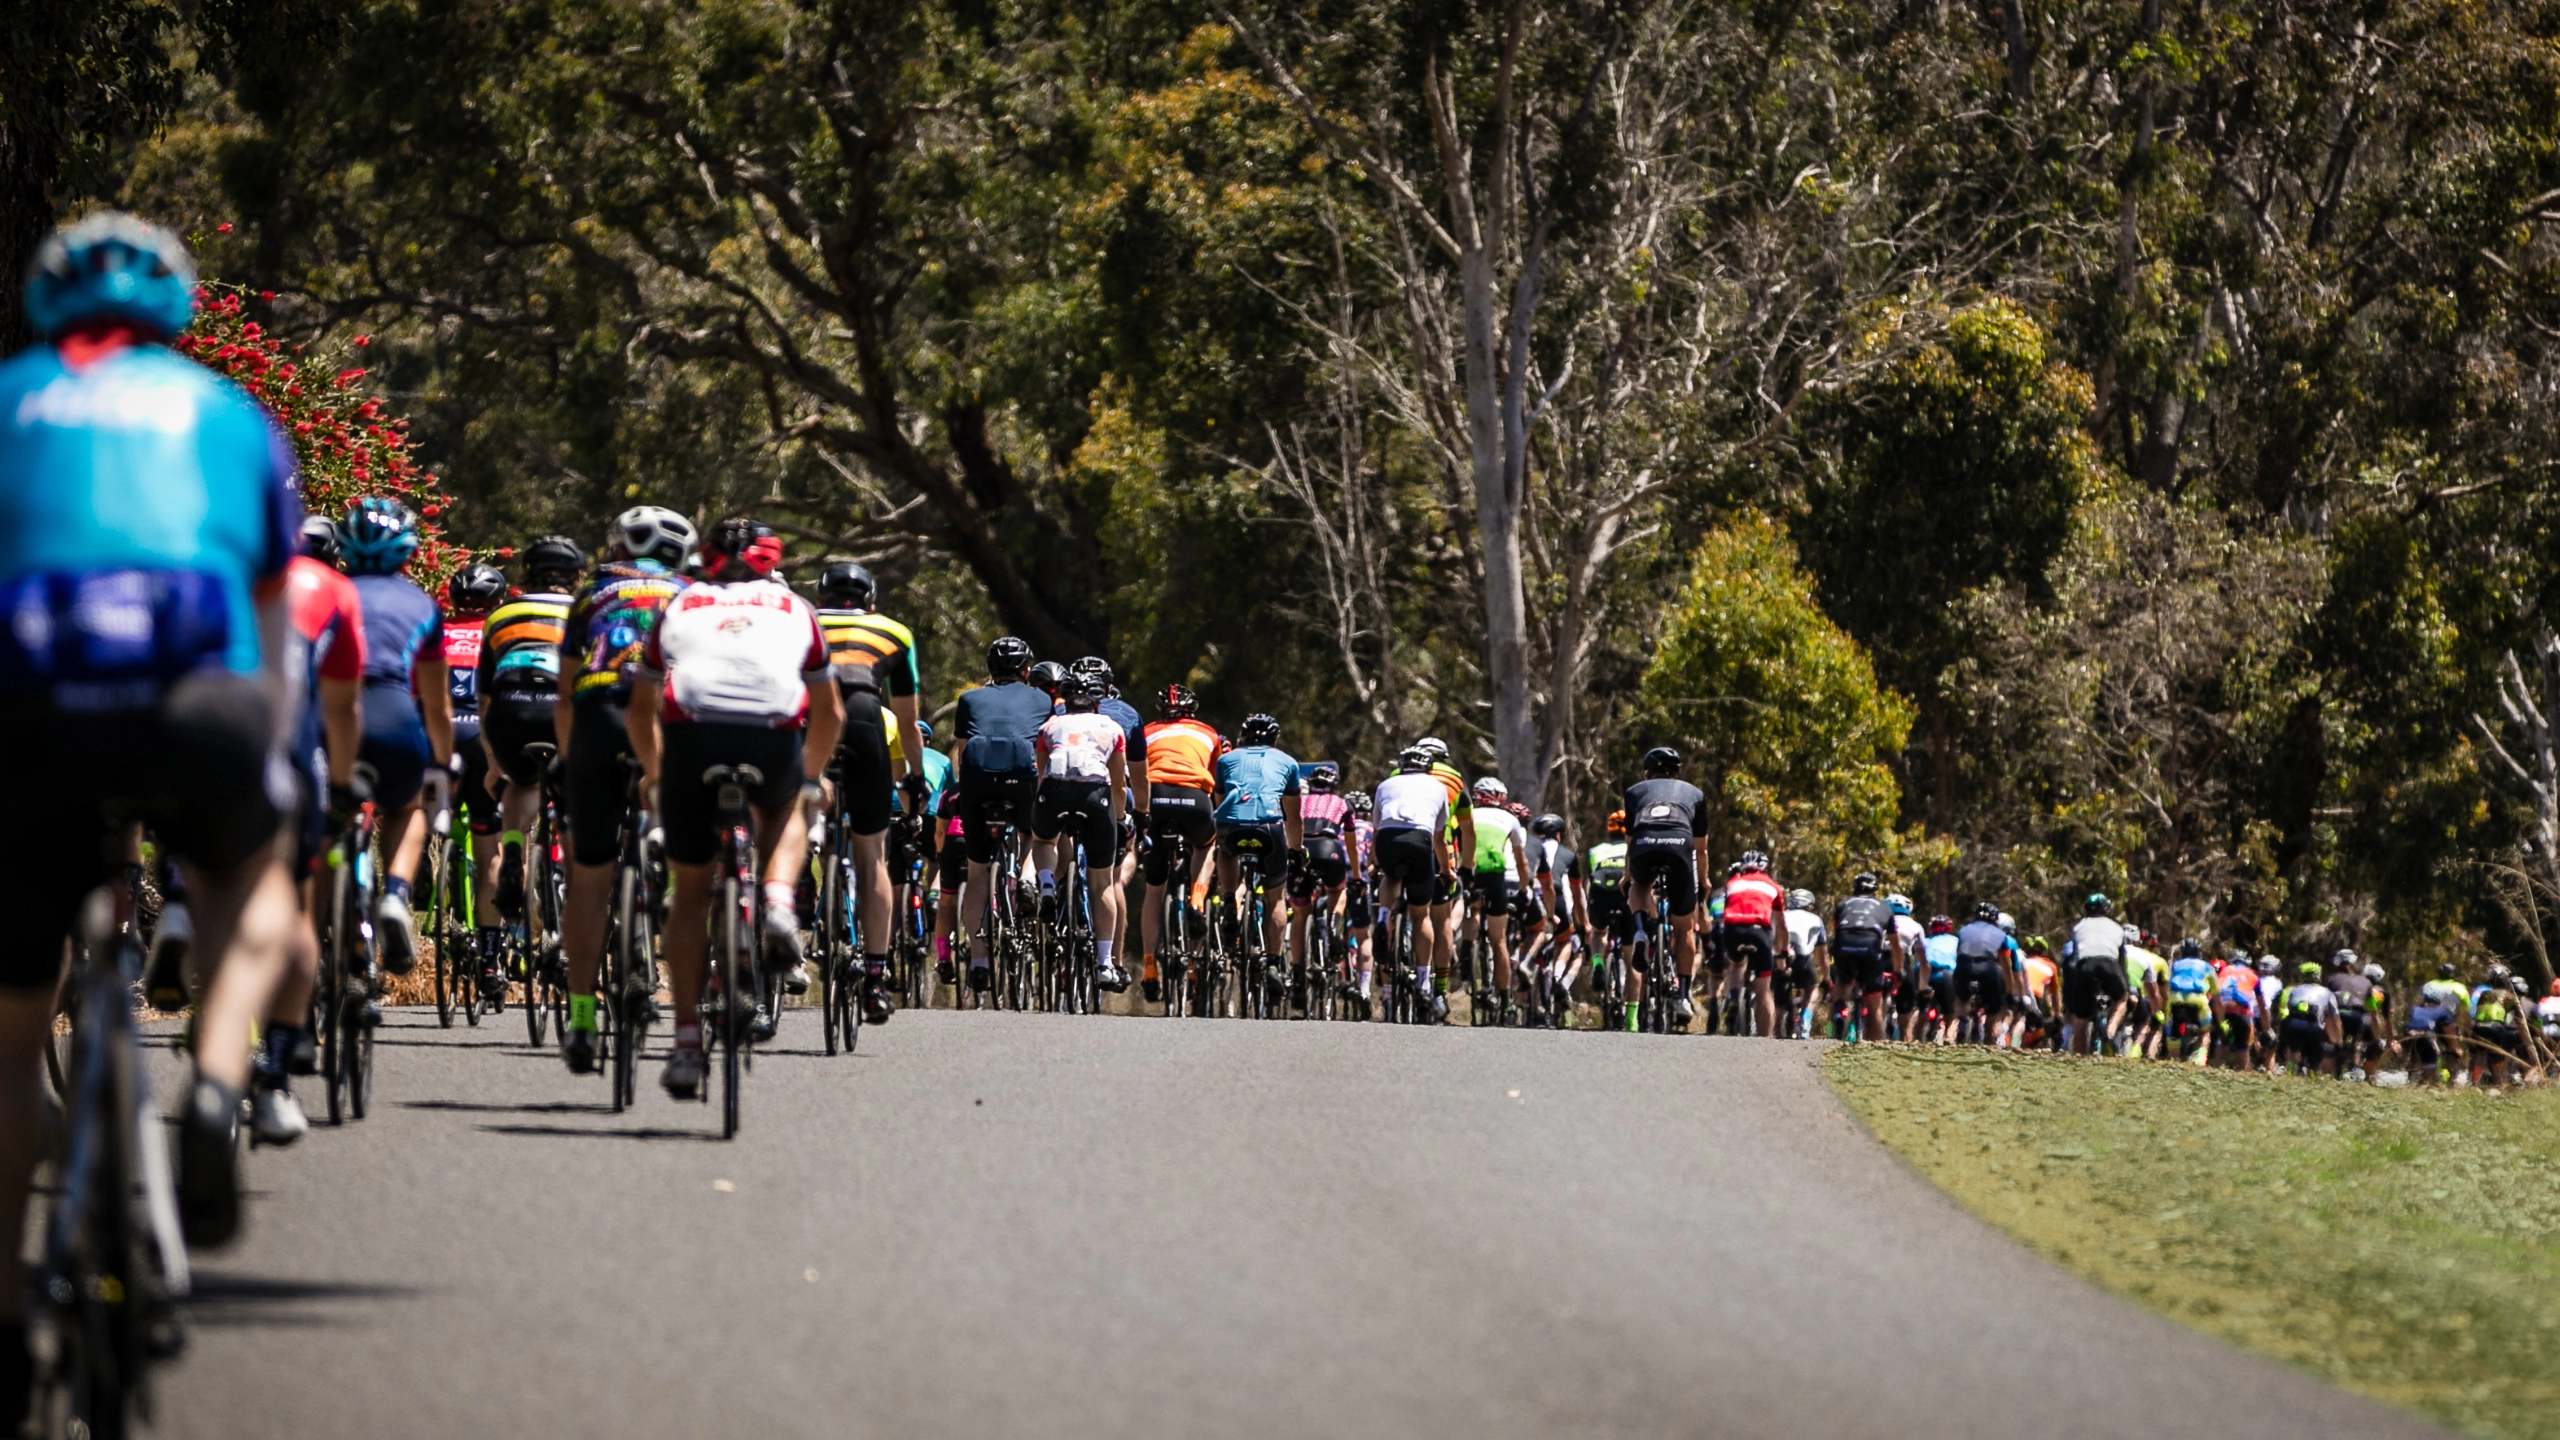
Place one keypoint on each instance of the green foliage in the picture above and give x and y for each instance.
(1777, 710)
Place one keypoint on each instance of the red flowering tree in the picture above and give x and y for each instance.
(344, 443)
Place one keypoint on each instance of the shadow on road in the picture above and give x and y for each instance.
(586, 1133)
(530, 1107)
(222, 1300)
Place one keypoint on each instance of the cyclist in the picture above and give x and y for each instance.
(875, 667)
(2146, 978)
(608, 628)
(1808, 957)
(1360, 891)
(2235, 1013)
(1083, 759)
(1413, 853)
(1133, 730)
(1257, 813)
(1666, 853)
(1910, 991)
(2435, 1022)
(1754, 909)
(2190, 991)
(1986, 984)
(2497, 1040)
(1562, 892)
(2307, 1033)
(1938, 952)
(2358, 1034)
(471, 595)
(1866, 949)
(2546, 1014)
(999, 775)
(408, 709)
(1493, 886)
(1316, 885)
(519, 689)
(732, 674)
(147, 520)
(2093, 975)
(1447, 907)
(1182, 751)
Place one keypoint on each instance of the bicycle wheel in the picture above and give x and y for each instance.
(355, 1047)
(539, 936)
(330, 996)
(440, 927)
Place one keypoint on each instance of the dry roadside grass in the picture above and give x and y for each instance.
(2401, 1243)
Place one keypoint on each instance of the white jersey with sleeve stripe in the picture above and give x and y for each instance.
(742, 654)
(1079, 746)
(1413, 802)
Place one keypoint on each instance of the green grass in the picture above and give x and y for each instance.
(2400, 1243)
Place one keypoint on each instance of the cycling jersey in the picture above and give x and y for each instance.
(1608, 865)
(2238, 991)
(1183, 753)
(1456, 784)
(2446, 995)
(520, 646)
(1940, 950)
(1860, 923)
(2141, 967)
(1079, 747)
(1555, 860)
(1133, 730)
(402, 624)
(610, 621)
(146, 505)
(1982, 940)
(2308, 1001)
(1496, 828)
(2096, 938)
(1665, 809)
(1251, 782)
(1323, 815)
(994, 726)
(870, 651)
(462, 641)
(328, 624)
(2355, 993)
(1804, 933)
(2190, 978)
(2493, 1005)
(741, 654)
(1412, 802)
(1752, 898)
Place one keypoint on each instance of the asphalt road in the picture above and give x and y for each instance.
(989, 1225)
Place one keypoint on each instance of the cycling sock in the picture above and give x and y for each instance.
(875, 966)
(395, 888)
(689, 1037)
(1147, 967)
(782, 897)
(941, 947)
(1102, 952)
(491, 938)
(1048, 882)
(511, 840)
(582, 1013)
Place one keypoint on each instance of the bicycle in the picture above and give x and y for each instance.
(729, 984)
(1186, 966)
(342, 1000)
(1263, 978)
(629, 994)
(1658, 1014)
(114, 1263)
(839, 932)
(1609, 985)
(453, 868)
(538, 949)
(1071, 981)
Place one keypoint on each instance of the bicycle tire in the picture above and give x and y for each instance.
(732, 985)
(439, 878)
(537, 923)
(331, 994)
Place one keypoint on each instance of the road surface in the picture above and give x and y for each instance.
(1037, 1226)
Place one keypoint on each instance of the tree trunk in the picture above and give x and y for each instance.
(26, 217)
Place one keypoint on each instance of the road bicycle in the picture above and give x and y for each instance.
(839, 931)
(539, 957)
(1180, 940)
(730, 987)
(1262, 977)
(1609, 983)
(1068, 956)
(911, 953)
(1658, 1012)
(343, 1013)
(454, 875)
(629, 994)
(113, 1264)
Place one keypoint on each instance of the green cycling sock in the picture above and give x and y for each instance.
(582, 1013)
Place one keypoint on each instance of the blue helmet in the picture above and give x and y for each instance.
(111, 266)
(378, 536)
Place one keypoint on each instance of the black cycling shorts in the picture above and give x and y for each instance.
(1266, 843)
(864, 786)
(2305, 1040)
(1327, 866)
(2090, 986)
(1492, 892)
(1080, 809)
(1409, 857)
(511, 722)
(1666, 863)
(1752, 946)
(1980, 981)
(199, 769)
(399, 759)
(989, 801)
(1175, 810)
(1869, 969)
(598, 783)
(688, 805)
(471, 783)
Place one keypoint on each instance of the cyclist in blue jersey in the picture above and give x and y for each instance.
(1257, 810)
(147, 522)
(408, 709)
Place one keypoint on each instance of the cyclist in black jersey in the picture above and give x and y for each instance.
(1666, 853)
(994, 726)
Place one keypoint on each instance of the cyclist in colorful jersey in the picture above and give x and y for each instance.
(607, 630)
(2546, 1014)
(1606, 889)
(1938, 951)
(1500, 859)
(734, 673)
(1083, 759)
(1449, 899)
(1182, 757)
(2235, 1014)
(520, 701)
(1316, 884)
(999, 775)
(1413, 853)
(2497, 1040)
(1907, 991)
(1666, 853)
(1257, 813)
(2434, 1035)
(2190, 991)
(2306, 1021)
(1133, 729)
(408, 710)
(470, 596)
(2092, 975)
(2359, 1037)
(147, 527)
(2146, 978)
(875, 667)
(1866, 951)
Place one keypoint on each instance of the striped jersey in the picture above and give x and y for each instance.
(520, 647)
(870, 651)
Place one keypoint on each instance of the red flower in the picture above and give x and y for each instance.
(222, 229)
(267, 295)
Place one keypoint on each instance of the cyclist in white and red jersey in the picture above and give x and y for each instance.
(1082, 756)
(734, 673)
(1753, 905)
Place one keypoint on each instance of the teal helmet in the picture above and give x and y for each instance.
(111, 266)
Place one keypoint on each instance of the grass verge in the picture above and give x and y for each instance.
(2400, 1243)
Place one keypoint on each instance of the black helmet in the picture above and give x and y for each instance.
(2445, 970)
(1865, 884)
(1259, 730)
(476, 589)
(1359, 802)
(1322, 776)
(2097, 903)
(740, 548)
(1080, 692)
(320, 538)
(1662, 760)
(2190, 948)
(1007, 656)
(1550, 825)
(846, 585)
(1180, 703)
(1987, 913)
(554, 557)
(1095, 666)
(1048, 675)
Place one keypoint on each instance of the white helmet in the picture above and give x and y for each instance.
(1489, 785)
(650, 532)
(2008, 922)
(1431, 745)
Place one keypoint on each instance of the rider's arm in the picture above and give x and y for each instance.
(826, 724)
(640, 722)
(1289, 823)
(276, 673)
(1119, 785)
(435, 702)
(572, 663)
(342, 726)
(910, 740)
